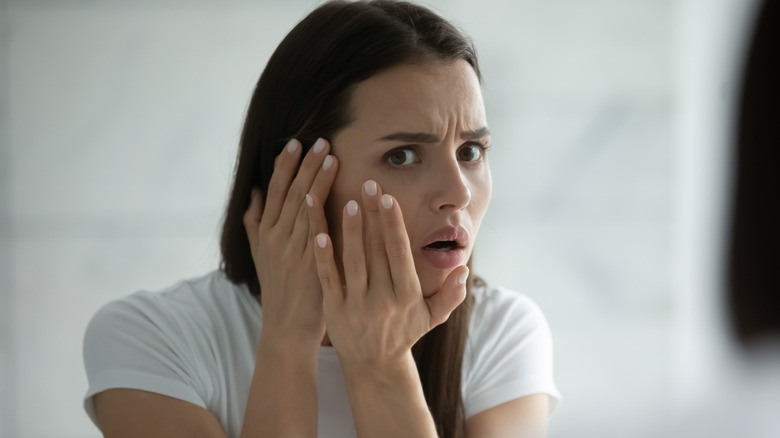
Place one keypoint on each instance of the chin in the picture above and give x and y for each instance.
(432, 281)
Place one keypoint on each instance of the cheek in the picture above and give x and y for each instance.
(481, 192)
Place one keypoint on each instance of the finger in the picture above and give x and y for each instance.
(301, 185)
(323, 181)
(397, 248)
(332, 293)
(302, 233)
(286, 166)
(353, 257)
(252, 217)
(300, 238)
(376, 259)
(315, 214)
(452, 293)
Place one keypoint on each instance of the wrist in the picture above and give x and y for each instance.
(382, 376)
(286, 345)
(387, 399)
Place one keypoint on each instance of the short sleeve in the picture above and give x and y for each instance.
(509, 352)
(131, 344)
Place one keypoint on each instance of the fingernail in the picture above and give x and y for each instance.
(319, 146)
(327, 163)
(292, 146)
(370, 187)
(309, 200)
(321, 240)
(463, 277)
(352, 208)
(387, 201)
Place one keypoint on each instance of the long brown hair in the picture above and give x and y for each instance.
(304, 93)
(754, 243)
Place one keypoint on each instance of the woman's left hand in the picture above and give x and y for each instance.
(375, 319)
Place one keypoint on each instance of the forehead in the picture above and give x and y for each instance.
(424, 98)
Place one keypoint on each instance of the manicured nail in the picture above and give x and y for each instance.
(321, 240)
(327, 163)
(309, 200)
(319, 146)
(292, 146)
(387, 201)
(370, 187)
(352, 208)
(463, 277)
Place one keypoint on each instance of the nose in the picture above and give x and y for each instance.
(451, 188)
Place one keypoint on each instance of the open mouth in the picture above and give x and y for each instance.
(445, 254)
(442, 245)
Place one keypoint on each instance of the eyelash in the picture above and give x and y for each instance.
(483, 148)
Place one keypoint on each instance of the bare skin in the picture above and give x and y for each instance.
(365, 285)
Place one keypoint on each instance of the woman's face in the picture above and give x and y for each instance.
(419, 132)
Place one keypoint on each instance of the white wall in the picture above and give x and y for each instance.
(119, 139)
(6, 313)
(712, 37)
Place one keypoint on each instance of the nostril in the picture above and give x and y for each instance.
(452, 191)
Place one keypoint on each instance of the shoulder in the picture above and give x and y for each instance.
(185, 320)
(498, 310)
(508, 352)
(198, 302)
(168, 342)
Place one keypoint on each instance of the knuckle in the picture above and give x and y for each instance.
(328, 279)
(287, 253)
(393, 219)
(295, 194)
(310, 163)
(375, 246)
(276, 190)
(383, 309)
(274, 239)
(397, 250)
(352, 267)
(303, 211)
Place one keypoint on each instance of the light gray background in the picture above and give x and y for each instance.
(118, 130)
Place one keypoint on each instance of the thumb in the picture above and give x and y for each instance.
(449, 297)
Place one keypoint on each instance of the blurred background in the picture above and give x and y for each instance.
(119, 123)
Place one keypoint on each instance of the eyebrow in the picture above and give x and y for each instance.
(424, 137)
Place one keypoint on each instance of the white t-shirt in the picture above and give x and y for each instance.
(197, 341)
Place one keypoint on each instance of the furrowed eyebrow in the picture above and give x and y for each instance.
(424, 137)
(411, 137)
(475, 134)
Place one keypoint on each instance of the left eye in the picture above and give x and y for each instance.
(470, 153)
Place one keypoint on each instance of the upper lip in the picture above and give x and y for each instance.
(455, 233)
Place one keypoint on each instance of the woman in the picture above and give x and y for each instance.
(345, 305)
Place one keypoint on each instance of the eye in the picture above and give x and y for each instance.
(402, 157)
(471, 152)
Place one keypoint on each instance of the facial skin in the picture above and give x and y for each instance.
(446, 182)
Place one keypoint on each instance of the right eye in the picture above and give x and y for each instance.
(402, 157)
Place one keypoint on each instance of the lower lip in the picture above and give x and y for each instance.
(444, 259)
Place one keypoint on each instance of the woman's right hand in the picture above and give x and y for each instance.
(281, 237)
